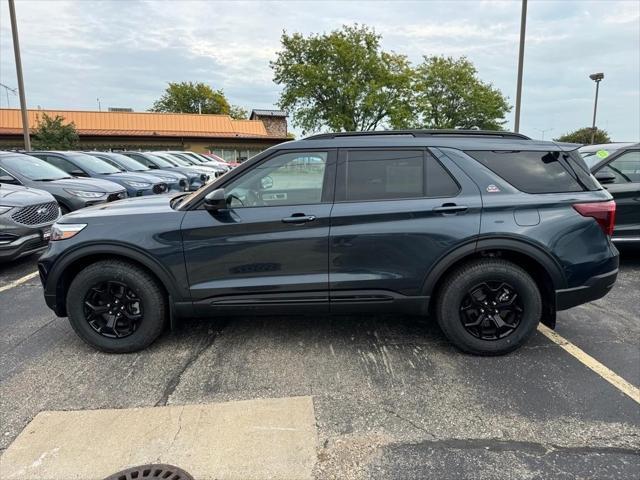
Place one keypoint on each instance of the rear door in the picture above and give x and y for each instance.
(270, 248)
(397, 212)
(625, 189)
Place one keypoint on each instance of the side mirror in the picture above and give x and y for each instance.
(604, 176)
(266, 182)
(78, 173)
(8, 179)
(215, 201)
(152, 166)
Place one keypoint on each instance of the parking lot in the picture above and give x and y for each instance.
(390, 397)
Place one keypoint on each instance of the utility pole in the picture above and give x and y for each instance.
(99, 105)
(541, 130)
(523, 27)
(596, 77)
(23, 100)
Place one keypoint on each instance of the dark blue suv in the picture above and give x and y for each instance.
(488, 232)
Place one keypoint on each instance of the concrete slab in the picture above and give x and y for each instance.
(252, 439)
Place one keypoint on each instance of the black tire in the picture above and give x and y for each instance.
(145, 287)
(455, 291)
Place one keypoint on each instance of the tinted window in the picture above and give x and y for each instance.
(61, 163)
(531, 172)
(286, 179)
(439, 181)
(626, 167)
(384, 174)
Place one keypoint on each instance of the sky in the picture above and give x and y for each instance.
(125, 51)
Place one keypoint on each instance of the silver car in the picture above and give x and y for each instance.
(26, 216)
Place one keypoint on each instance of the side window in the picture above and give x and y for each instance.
(530, 172)
(286, 179)
(440, 183)
(626, 167)
(61, 163)
(384, 174)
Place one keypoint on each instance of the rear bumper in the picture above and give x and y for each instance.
(596, 287)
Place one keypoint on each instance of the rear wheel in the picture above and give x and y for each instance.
(116, 307)
(489, 307)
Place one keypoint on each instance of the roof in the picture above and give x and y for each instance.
(267, 113)
(461, 140)
(141, 124)
(607, 146)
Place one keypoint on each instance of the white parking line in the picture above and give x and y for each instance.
(17, 282)
(586, 359)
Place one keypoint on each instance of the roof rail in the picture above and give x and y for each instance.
(421, 133)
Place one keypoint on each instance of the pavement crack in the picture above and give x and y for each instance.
(175, 380)
(410, 422)
(29, 336)
(501, 445)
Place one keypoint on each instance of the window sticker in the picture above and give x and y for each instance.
(602, 154)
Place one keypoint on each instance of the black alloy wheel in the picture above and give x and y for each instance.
(491, 310)
(113, 309)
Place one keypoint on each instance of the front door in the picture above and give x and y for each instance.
(270, 248)
(625, 189)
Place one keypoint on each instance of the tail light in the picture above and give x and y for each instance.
(603, 212)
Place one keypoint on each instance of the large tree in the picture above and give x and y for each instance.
(53, 134)
(583, 135)
(342, 81)
(449, 94)
(192, 97)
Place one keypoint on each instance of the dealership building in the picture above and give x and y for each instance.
(233, 140)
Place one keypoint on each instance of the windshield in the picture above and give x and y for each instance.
(33, 168)
(128, 163)
(169, 161)
(177, 159)
(592, 158)
(94, 164)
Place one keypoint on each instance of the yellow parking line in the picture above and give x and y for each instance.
(586, 359)
(17, 282)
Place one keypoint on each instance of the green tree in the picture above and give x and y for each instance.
(583, 135)
(449, 94)
(238, 113)
(342, 80)
(54, 134)
(190, 97)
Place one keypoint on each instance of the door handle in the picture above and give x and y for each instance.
(450, 209)
(299, 218)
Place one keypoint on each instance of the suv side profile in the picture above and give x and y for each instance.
(490, 232)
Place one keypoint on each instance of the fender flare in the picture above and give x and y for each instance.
(127, 251)
(518, 245)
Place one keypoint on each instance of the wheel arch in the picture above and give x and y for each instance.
(544, 269)
(68, 267)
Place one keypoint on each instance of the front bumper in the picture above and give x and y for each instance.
(25, 245)
(596, 287)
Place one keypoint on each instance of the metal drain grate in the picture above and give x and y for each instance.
(151, 472)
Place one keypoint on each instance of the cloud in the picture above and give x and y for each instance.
(124, 52)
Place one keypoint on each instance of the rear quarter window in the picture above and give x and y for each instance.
(535, 172)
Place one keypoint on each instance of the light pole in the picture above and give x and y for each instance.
(523, 27)
(23, 101)
(596, 77)
(542, 131)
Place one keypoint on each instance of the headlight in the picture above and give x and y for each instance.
(85, 193)
(62, 231)
(137, 184)
(4, 209)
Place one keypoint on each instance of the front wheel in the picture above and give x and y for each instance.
(116, 307)
(489, 307)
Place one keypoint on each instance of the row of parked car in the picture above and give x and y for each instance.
(36, 188)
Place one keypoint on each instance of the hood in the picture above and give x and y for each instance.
(16, 196)
(169, 174)
(90, 184)
(131, 177)
(130, 206)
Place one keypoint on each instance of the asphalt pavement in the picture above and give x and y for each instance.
(391, 397)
